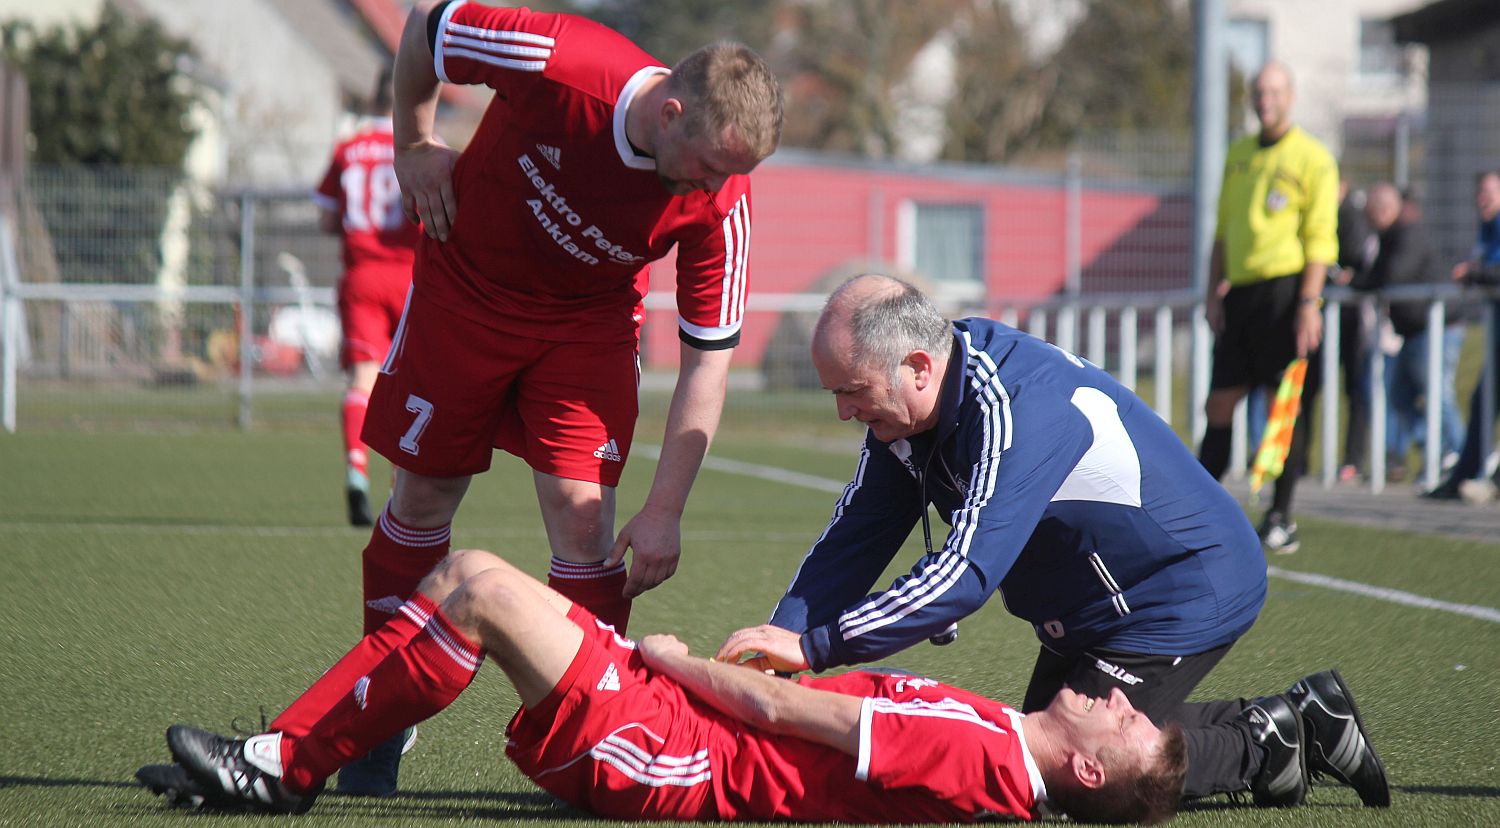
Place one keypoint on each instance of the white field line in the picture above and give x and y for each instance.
(756, 470)
(1394, 596)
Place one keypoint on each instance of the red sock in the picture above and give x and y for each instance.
(410, 685)
(333, 685)
(598, 589)
(356, 453)
(396, 560)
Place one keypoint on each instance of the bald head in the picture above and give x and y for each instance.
(882, 349)
(877, 320)
(1271, 97)
(846, 300)
(1383, 205)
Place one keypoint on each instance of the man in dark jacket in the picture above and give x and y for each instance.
(1406, 258)
(1357, 247)
(1079, 504)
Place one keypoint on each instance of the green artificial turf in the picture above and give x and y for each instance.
(150, 576)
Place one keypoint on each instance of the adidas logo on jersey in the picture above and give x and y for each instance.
(611, 679)
(390, 604)
(362, 692)
(608, 451)
(552, 154)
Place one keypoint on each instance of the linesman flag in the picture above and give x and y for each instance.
(1270, 459)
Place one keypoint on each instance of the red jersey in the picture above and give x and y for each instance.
(928, 752)
(624, 742)
(558, 216)
(361, 187)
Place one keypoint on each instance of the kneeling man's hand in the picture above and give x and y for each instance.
(765, 647)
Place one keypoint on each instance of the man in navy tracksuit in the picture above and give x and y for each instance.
(1074, 500)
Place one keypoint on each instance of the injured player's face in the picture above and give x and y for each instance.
(1110, 723)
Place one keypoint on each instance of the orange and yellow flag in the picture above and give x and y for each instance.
(1270, 459)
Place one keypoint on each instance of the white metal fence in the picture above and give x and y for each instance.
(130, 299)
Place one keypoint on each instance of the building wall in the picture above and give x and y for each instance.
(1321, 43)
(51, 13)
(816, 218)
(282, 107)
(273, 106)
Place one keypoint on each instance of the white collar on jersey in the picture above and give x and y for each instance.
(628, 155)
(1043, 804)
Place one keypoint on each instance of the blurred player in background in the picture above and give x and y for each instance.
(360, 201)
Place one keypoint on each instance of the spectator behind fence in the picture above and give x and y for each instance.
(1483, 268)
(1276, 237)
(1405, 258)
(360, 202)
(1357, 247)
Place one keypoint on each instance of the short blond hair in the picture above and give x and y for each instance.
(726, 84)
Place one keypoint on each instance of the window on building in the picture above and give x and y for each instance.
(945, 243)
(1379, 54)
(1246, 39)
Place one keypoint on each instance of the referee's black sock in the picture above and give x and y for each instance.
(1214, 452)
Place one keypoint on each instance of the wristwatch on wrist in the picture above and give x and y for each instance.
(1311, 300)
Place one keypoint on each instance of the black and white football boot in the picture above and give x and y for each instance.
(1337, 743)
(1282, 780)
(243, 770)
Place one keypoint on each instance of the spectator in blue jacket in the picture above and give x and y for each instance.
(1071, 497)
(1467, 479)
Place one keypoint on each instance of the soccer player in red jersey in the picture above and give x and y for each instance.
(359, 200)
(643, 730)
(521, 331)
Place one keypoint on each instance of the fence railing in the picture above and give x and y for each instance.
(90, 340)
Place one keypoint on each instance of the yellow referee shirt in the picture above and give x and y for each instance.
(1278, 208)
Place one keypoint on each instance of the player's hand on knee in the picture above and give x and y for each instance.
(657, 543)
(425, 173)
(765, 647)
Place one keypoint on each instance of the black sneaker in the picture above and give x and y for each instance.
(241, 769)
(176, 784)
(1282, 780)
(1278, 536)
(375, 773)
(1444, 491)
(359, 507)
(1337, 743)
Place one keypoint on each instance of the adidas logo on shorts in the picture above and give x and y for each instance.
(608, 451)
(611, 679)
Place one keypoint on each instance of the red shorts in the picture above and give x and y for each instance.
(452, 389)
(615, 739)
(370, 301)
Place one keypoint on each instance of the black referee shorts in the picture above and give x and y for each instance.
(1260, 333)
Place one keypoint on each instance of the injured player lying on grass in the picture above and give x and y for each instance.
(644, 730)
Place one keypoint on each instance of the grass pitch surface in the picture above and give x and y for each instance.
(152, 578)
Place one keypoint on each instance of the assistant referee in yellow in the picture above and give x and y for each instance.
(1276, 237)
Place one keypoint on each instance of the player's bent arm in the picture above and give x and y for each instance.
(416, 81)
(424, 166)
(764, 702)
